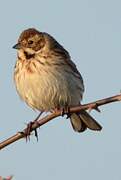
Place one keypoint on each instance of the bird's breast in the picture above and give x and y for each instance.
(45, 86)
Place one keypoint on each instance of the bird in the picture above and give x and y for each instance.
(47, 79)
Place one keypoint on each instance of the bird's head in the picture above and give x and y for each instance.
(30, 41)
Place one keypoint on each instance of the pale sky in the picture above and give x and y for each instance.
(91, 31)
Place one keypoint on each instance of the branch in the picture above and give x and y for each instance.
(92, 105)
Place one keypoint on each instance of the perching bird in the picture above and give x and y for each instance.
(47, 79)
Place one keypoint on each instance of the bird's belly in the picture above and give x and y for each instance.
(47, 91)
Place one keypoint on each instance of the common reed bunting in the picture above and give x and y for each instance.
(47, 79)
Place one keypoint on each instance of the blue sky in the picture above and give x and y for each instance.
(91, 32)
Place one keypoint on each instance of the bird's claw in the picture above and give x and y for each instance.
(66, 110)
(27, 131)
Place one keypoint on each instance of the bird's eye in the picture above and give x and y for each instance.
(30, 42)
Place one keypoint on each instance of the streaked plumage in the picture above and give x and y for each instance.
(46, 78)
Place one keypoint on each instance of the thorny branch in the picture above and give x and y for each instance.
(42, 121)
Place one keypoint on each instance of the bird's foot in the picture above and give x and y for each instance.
(29, 128)
(27, 131)
(66, 110)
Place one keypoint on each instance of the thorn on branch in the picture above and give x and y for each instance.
(94, 107)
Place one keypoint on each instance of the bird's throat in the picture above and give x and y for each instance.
(28, 55)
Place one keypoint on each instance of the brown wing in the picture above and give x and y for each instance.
(59, 50)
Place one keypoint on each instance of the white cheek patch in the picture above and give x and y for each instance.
(20, 54)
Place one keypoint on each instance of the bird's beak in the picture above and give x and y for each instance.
(17, 46)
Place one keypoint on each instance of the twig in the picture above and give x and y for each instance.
(93, 105)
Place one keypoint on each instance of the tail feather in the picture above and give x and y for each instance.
(77, 124)
(81, 121)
